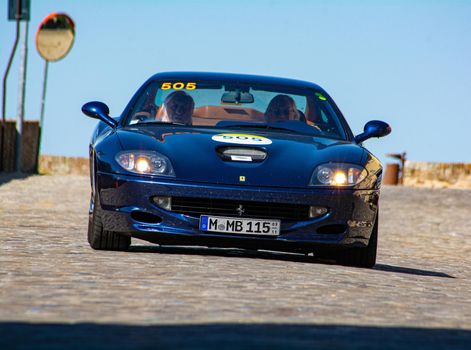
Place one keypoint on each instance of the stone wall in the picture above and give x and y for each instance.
(61, 165)
(437, 175)
(29, 146)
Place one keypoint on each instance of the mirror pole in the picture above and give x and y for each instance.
(43, 103)
(21, 98)
(43, 98)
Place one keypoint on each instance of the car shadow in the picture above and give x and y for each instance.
(7, 177)
(272, 255)
(51, 336)
(410, 271)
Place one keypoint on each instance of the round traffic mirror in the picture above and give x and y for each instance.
(55, 36)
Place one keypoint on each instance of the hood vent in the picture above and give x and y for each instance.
(242, 154)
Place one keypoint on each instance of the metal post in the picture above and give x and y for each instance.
(403, 164)
(4, 97)
(21, 96)
(43, 98)
(43, 102)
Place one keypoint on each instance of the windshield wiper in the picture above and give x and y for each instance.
(289, 125)
(157, 122)
(257, 126)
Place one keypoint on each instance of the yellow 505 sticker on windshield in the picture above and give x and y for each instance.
(178, 85)
(242, 139)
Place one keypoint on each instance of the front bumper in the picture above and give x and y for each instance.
(351, 212)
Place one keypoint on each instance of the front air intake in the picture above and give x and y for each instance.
(332, 229)
(242, 154)
(145, 217)
(224, 207)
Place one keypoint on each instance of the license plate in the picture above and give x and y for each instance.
(244, 226)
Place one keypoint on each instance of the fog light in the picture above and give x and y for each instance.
(315, 212)
(163, 202)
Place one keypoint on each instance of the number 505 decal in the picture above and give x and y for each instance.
(178, 86)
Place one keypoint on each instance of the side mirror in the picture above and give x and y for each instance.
(99, 110)
(374, 128)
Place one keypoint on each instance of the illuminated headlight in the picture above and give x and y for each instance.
(338, 174)
(145, 162)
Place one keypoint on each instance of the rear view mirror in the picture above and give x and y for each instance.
(237, 97)
(246, 97)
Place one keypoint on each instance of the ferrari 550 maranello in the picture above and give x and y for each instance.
(231, 160)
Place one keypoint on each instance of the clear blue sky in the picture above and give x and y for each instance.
(405, 62)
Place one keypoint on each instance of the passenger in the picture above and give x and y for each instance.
(178, 108)
(281, 108)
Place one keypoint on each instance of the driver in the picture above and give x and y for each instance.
(178, 108)
(281, 108)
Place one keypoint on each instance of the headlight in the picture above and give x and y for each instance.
(338, 174)
(145, 162)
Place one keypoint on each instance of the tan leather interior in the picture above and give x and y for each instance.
(211, 115)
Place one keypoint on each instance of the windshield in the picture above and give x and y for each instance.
(232, 104)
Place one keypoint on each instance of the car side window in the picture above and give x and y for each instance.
(324, 117)
(327, 123)
(144, 108)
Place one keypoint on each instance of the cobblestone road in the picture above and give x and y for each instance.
(48, 273)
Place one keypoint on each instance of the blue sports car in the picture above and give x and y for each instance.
(232, 160)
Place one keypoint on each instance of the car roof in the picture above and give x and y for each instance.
(244, 78)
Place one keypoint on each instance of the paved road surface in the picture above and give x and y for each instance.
(55, 291)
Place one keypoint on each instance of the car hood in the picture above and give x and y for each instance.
(290, 161)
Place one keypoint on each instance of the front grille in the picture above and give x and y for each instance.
(223, 207)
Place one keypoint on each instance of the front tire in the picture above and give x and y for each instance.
(361, 257)
(100, 239)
